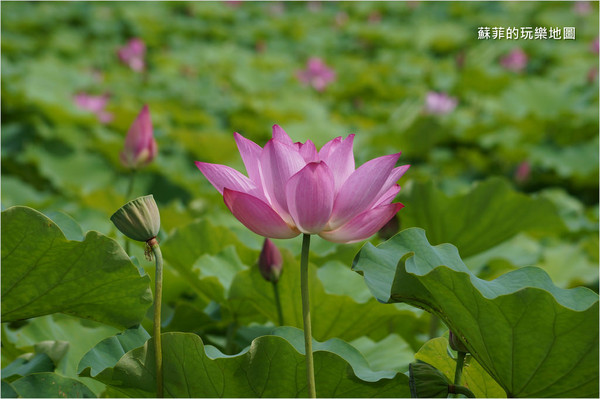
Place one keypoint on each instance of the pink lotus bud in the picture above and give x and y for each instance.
(439, 103)
(270, 262)
(316, 74)
(133, 53)
(523, 171)
(515, 61)
(140, 146)
(95, 104)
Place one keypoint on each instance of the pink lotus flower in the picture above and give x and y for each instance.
(515, 61)
(316, 74)
(439, 103)
(95, 104)
(140, 146)
(133, 53)
(292, 188)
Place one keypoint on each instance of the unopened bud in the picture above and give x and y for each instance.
(270, 262)
(425, 381)
(138, 219)
(456, 344)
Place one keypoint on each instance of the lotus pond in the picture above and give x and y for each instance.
(299, 199)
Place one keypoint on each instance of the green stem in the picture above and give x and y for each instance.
(157, 308)
(310, 369)
(127, 196)
(230, 342)
(278, 304)
(460, 390)
(460, 361)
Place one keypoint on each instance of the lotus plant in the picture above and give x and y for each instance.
(140, 146)
(140, 220)
(139, 149)
(292, 188)
(270, 264)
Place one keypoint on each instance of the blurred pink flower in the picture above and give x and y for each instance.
(140, 146)
(95, 104)
(316, 74)
(133, 53)
(582, 7)
(594, 47)
(439, 103)
(515, 61)
(292, 188)
(523, 171)
(233, 3)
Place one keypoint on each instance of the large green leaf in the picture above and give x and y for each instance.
(484, 217)
(108, 352)
(435, 352)
(534, 338)
(22, 366)
(332, 315)
(273, 366)
(51, 385)
(82, 335)
(43, 273)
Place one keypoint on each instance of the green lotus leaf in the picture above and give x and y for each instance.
(51, 385)
(44, 273)
(108, 352)
(435, 352)
(8, 391)
(272, 366)
(484, 217)
(21, 366)
(533, 338)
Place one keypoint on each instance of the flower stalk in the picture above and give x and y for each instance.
(310, 369)
(153, 244)
(460, 361)
(140, 220)
(278, 304)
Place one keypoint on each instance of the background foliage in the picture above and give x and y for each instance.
(213, 68)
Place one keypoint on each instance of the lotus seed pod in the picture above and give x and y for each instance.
(138, 219)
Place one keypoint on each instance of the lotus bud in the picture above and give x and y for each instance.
(456, 344)
(140, 146)
(425, 381)
(270, 262)
(138, 219)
